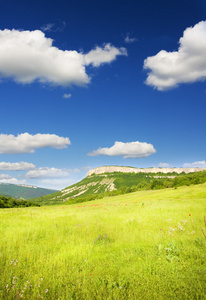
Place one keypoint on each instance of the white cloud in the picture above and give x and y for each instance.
(67, 96)
(52, 27)
(4, 176)
(129, 39)
(48, 27)
(127, 150)
(107, 54)
(46, 172)
(187, 65)
(197, 164)
(27, 143)
(19, 166)
(13, 181)
(27, 56)
(164, 165)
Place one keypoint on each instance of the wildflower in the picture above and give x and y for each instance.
(46, 291)
(192, 232)
(90, 274)
(190, 215)
(14, 262)
(180, 227)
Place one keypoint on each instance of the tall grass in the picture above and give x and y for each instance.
(145, 245)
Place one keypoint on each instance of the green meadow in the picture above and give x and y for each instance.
(142, 245)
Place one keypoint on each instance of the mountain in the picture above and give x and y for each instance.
(23, 191)
(113, 180)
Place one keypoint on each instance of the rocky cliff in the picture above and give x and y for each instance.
(111, 169)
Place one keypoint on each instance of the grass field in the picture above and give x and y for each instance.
(144, 245)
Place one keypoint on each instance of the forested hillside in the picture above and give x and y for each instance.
(8, 202)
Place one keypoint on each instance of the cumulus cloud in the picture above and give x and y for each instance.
(19, 166)
(46, 172)
(13, 180)
(28, 56)
(188, 64)
(197, 164)
(127, 150)
(27, 143)
(100, 55)
(67, 96)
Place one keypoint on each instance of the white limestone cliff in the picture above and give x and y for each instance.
(111, 169)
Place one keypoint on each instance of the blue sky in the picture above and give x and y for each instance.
(90, 83)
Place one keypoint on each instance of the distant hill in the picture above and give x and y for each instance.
(23, 191)
(100, 183)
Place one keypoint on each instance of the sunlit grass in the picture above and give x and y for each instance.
(145, 245)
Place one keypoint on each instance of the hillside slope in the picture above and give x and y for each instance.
(143, 246)
(23, 191)
(101, 185)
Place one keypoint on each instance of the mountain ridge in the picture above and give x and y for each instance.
(112, 169)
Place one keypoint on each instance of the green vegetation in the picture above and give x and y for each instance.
(143, 245)
(160, 181)
(8, 202)
(99, 186)
(25, 192)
